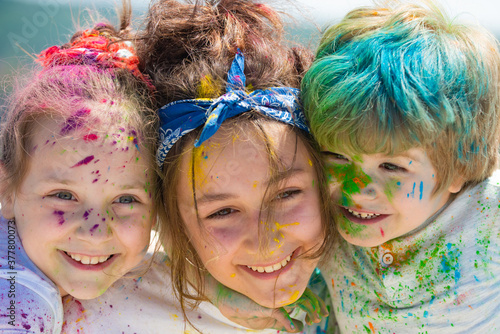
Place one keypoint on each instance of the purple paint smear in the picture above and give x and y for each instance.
(93, 228)
(75, 121)
(61, 216)
(84, 161)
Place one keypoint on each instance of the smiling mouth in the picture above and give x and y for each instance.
(273, 268)
(83, 259)
(363, 215)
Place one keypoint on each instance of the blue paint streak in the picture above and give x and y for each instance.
(412, 192)
(421, 189)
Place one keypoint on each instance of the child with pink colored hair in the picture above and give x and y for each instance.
(77, 145)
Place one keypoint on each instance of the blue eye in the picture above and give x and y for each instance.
(64, 195)
(288, 194)
(126, 199)
(221, 213)
(391, 167)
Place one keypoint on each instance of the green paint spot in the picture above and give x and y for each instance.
(351, 228)
(351, 177)
(390, 188)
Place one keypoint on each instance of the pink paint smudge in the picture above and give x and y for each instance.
(381, 231)
(84, 161)
(90, 137)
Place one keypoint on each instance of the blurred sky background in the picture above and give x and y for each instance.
(29, 26)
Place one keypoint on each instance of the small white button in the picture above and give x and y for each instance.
(387, 259)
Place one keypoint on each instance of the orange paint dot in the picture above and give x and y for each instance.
(371, 327)
(333, 283)
(352, 284)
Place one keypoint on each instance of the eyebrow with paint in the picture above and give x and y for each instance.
(280, 177)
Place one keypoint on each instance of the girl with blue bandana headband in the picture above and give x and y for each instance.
(243, 206)
(244, 199)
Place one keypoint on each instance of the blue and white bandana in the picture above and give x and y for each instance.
(181, 117)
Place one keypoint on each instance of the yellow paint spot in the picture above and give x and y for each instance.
(208, 88)
(310, 162)
(233, 275)
(277, 240)
(279, 226)
(255, 184)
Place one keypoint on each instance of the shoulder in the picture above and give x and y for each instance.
(28, 299)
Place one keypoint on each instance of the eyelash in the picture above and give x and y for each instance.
(283, 196)
(133, 199)
(335, 156)
(393, 169)
(58, 194)
(218, 215)
(289, 194)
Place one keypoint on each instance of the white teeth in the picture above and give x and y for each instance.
(363, 215)
(273, 268)
(88, 259)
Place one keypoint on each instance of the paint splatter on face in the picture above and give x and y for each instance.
(84, 161)
(76, 121)
(232, 187)
(82, 230)
(381, 197)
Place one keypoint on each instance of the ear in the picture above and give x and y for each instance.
(456, 184)
(6, 199)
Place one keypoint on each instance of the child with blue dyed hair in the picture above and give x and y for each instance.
(405, 104)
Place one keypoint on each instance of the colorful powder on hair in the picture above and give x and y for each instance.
(75, 121)
(84, 161)
(207, 87)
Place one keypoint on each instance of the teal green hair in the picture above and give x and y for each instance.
(390, 79)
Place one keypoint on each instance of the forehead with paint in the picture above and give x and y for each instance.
(250, 203)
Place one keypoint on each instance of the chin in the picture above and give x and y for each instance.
(86, 293)
(369, 242)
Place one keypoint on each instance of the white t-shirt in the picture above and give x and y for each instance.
(144, 305)
(443, 277)
(29, 301)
